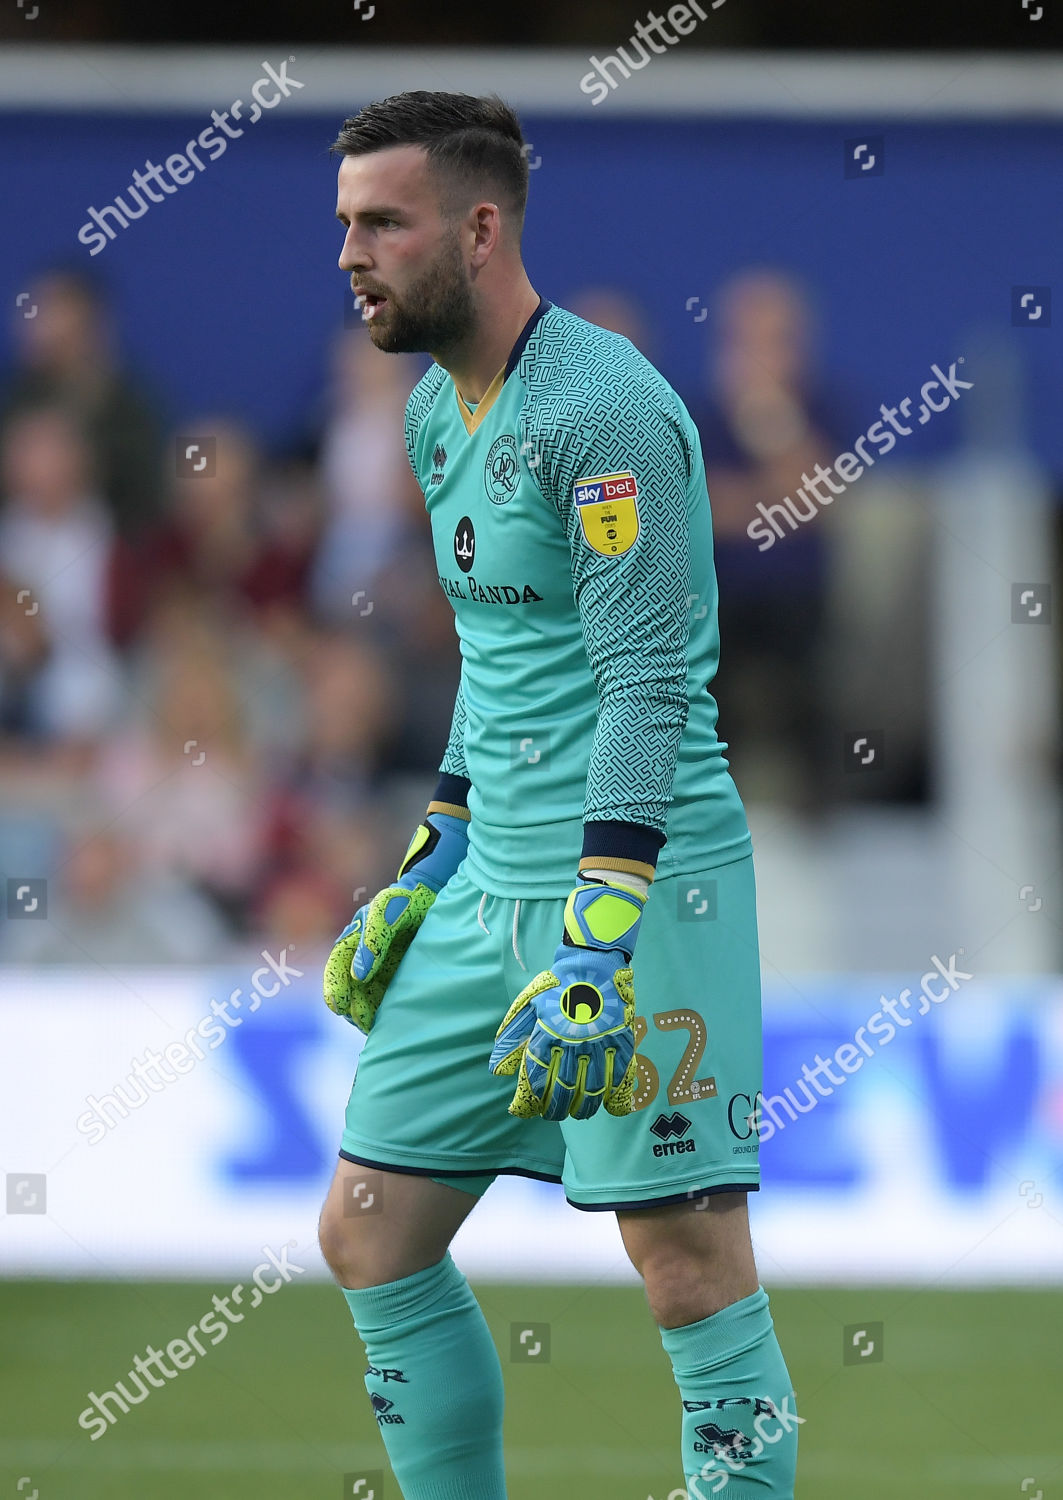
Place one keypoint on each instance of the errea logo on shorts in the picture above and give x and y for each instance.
(667, 1126)
(608, 510)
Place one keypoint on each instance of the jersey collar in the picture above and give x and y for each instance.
(525, 334)
(472, 419)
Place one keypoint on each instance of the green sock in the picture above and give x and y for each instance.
(739, 1419)
(435, 1383)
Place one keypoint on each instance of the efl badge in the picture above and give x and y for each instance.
(608, 508)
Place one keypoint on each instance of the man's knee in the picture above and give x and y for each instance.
(693, 1264)
(685, 1284)
(337, 1237)
(401, 1226)
(332, 1238)
(355, 1255)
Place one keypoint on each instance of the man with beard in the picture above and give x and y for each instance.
(566, 491)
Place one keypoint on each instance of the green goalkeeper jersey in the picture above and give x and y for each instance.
(572, 534)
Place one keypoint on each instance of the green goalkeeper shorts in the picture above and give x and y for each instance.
(424, 1101)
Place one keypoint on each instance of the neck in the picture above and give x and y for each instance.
(474, 364)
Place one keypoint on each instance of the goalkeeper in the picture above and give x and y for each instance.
(563, 981)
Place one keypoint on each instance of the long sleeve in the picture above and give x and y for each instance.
(452, 792)
(453, 760)
(617, 466)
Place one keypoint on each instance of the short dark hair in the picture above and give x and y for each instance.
(469, 140)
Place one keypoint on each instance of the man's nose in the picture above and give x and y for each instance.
(353, 256)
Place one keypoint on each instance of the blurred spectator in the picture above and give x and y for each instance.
(66, 352)
(767, 420)
(340, 864)
(611, 308)
(55, 547)
(250, 771)
(231, 538)
(179, 776)
(346, 718)
(105, 908)
(375, 571)
(415, 631)
(325, 829)
(349, 714)
(373, 503)
(23, 652)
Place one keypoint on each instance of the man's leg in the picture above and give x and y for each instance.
(739, 1419)
(434, 1377)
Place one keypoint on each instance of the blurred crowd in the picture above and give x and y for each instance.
(225, 679)
(226, 675)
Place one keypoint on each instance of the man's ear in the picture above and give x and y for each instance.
(485, 228)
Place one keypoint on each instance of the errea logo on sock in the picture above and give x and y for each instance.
(382, 1410)
(730, 1449)
(732, 1444)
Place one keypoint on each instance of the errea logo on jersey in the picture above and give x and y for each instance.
(439, 459)
(608, 511)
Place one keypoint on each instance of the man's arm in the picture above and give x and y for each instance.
(452, 791)
(615, 463)
(629, 544)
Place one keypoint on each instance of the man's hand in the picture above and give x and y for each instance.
(569, 1035)
(370, 948)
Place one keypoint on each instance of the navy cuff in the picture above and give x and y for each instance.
(626, 841)
(451, 788)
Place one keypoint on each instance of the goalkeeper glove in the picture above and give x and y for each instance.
(370, 948)
(570, 1032)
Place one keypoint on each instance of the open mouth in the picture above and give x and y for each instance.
(370, 304)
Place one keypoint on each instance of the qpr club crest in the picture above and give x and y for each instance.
(464, 544)
(502, 471)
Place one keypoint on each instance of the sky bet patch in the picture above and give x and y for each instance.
(609, 511)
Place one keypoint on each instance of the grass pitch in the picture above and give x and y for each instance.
(964, 1402)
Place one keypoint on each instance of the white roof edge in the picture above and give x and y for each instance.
(337, 80)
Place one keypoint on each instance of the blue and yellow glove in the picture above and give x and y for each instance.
(370, 948)
(570, 1032)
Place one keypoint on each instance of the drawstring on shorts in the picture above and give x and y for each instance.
(516, 921)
